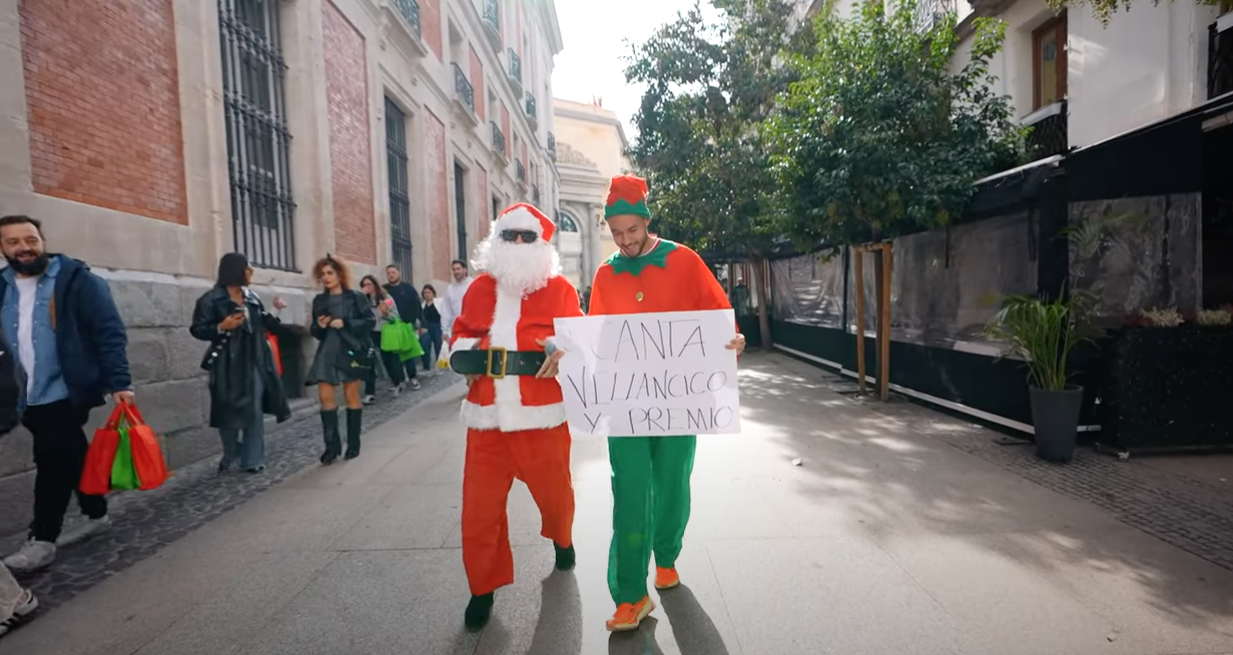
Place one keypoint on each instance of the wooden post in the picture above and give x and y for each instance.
(884, 321)
(860, 319)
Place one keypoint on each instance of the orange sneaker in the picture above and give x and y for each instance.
(629, 615)
(666, 578)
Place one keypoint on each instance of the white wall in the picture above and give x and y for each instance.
(1148, 64)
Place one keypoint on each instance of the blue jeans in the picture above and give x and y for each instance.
(251, 450)
(431, 341)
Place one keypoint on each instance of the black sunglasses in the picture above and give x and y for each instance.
(528, 236)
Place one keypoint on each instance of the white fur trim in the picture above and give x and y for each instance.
(492, 417)
(503, 333)
(518, 219)
(464, 343)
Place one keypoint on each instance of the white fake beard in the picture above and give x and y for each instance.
(519, 267)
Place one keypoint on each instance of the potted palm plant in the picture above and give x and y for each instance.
(1042, 333)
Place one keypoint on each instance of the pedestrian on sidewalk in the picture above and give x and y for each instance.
(408, 303)
(342, 321)
(452, 305)
(71, 346)
(433, 333)
(514, 410)
(384, 312)
(244, 383)
(16, 603)
(650, 475)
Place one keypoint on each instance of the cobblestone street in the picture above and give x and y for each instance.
(146, 522)
(899, 529)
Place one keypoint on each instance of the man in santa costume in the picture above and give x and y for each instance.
(514, 411)
(650, 475)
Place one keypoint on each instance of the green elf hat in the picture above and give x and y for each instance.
(627, 195)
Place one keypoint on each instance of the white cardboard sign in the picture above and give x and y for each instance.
(650, 375)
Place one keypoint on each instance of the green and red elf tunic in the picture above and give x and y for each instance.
(668, 278)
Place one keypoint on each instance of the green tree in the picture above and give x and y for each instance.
(879, 135)
(710, 85)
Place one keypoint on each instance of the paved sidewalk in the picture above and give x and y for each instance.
(886, 539)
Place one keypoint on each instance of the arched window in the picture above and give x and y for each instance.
(566, 223)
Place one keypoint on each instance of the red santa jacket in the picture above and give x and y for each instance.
(493, 316)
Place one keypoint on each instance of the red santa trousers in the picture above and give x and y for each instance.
(540, 458)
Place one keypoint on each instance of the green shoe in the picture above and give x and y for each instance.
(565, 557)
(478, 611)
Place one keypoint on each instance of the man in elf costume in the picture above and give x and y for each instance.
(514, 410)
(650, 475)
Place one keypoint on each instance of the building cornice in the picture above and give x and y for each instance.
(595, 118)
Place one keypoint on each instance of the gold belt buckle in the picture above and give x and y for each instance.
(488, 370)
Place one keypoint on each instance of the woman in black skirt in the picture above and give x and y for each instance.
(342, 320)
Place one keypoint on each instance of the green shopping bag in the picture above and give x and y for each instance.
(396, 337)
(416, 350)
(123, 474)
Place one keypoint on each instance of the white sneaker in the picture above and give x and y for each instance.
(26, 604)
(80, 533)
(398, 389)
(369, 399)
(32, 556)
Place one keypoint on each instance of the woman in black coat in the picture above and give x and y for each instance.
(244, 383)
(342, 320)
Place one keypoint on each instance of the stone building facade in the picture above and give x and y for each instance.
(153, 136)
(591, 148)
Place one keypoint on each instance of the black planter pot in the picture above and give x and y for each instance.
(1055, 417)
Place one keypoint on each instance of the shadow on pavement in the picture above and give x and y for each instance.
(559, 628)
(896, 464)
(638, 642)
(694, 630)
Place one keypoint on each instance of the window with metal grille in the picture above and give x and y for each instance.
(400, 196)
(262, 209)
(460, 208)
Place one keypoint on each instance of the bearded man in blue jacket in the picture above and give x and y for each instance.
(71, 346)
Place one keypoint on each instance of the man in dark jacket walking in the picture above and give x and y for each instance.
(72, 348)
(407, 300)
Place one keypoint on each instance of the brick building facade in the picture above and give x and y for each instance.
(153, 136)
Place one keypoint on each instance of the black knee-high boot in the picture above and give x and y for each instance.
(354, 424)
(333, 444)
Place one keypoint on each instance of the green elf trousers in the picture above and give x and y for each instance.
(650, 492)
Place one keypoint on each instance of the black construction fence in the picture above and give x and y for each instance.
(1145, 388)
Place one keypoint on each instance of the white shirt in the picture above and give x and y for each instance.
(453, 304)
(27, 293)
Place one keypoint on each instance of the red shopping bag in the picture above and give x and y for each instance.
(96, 475)
(148, 459)
(278, 358)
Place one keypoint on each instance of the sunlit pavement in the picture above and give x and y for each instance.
(886, 538)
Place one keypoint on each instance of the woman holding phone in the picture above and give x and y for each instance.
(244, 383)
(342, 321)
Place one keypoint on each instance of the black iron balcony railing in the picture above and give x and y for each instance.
(520, 171)
(1219, 61)
(463, 88)
(410, 10)
(498, 138)
(515, 67)
(930, 12)
(552, 146)
(532, 114)
(1049, 135)
(535, 194)
(492, 18)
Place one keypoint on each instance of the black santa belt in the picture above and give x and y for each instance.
(497, 362)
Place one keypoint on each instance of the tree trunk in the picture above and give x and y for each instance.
(762, 284)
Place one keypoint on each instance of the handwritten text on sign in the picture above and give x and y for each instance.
(659, 374)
